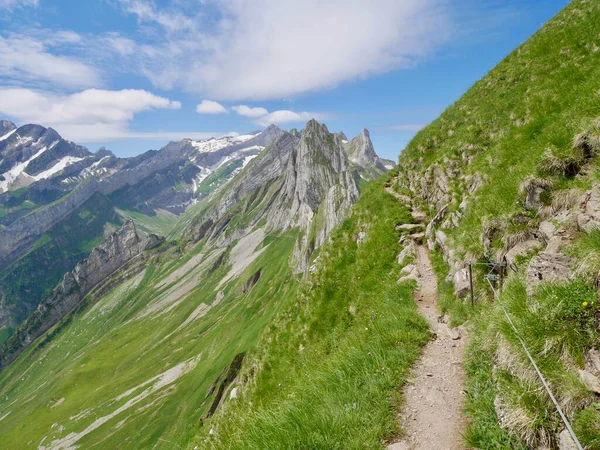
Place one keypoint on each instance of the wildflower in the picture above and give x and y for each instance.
(585, 304)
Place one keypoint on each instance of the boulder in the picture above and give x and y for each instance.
(407, 273)
(591, 381)
(406, 252)
(418, 216)
(462, 285)
(565, 441)
(548, 267)
(440, 239)
(520, 249)
(410, 227)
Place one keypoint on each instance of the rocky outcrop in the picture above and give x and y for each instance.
(588, 217)
(548, 267)
(532, 188)
(122, 249)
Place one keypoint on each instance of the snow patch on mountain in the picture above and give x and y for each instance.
(7, 135)
(60, 165)
(11, 175)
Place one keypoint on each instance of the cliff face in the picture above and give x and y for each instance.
(361, 151)
(317, 193)
(122, 250)
(304, 181)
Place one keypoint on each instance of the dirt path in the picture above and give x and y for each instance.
(432, 417)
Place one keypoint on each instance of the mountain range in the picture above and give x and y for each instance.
(58, 200)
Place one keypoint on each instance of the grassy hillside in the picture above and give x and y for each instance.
(327, 372)
(139, 366)
(533, 121)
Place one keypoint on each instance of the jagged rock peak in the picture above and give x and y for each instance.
(103, 152)
(318, 181)
(361, 151)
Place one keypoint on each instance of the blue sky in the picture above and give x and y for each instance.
(132, 75)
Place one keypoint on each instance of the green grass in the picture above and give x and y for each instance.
(160, 224)
(104, 349)
(333, 362)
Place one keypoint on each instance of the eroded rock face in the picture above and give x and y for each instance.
(548, 267)
(588, 217)
(318, 185)
(521, 249)
(120, 250)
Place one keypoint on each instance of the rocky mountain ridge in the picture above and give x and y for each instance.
(304, 180)
(122, 252)
(96, 193)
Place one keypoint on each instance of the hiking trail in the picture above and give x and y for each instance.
(432, 417)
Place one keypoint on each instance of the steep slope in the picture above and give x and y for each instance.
(508, 175)
(147, 354)
(121, 252)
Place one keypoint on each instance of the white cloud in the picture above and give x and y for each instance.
(248, 111)
(27, 59)
(147, 12)
(210, 107)
(260, 49)
(263, 117)
(86, 116)
(10, 4)
(123, 46)
(287, 116)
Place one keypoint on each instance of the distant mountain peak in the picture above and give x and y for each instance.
(361, 151)
(6, 127)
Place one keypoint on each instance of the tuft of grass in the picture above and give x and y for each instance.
(562, 162)
(588, 142)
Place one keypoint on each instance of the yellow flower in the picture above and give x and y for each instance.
(585, 304)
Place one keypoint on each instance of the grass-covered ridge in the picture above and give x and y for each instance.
(328, 371)
(538, 99)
